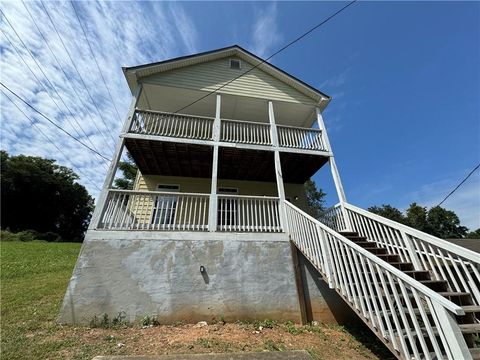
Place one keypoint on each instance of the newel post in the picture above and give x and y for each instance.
(213, 203)
(278, 167)
(335, 173)
(99, 208)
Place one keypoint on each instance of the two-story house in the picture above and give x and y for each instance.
(217, 225)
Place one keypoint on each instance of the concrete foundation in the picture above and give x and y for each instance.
(246, 276)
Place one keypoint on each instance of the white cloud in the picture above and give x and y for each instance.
(266, 33)
(465, 202)
(120, 34)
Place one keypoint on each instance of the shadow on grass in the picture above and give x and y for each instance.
(364, 335)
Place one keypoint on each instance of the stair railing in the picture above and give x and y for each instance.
(413, 320)
(458, 266)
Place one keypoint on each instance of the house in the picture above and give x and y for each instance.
(217, 224)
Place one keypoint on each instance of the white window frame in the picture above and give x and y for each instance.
(165, 206)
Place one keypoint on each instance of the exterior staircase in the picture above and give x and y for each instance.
(417, 293)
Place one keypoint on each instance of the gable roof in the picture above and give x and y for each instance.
(132, 74)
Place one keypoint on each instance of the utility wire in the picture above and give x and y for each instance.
(271, 56)
(72, 86)
(76, 69)
(460, 184)
(54, 123)
(48, 139)
(46, 77)
(95, 59)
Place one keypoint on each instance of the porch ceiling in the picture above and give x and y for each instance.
(172, 159)
(177, 159)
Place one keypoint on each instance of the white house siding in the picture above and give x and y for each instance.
(209, 76)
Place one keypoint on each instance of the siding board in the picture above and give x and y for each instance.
(209, 76)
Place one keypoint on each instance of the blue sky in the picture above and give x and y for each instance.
(404, 121)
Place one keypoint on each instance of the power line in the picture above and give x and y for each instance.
(76, 69)
(271, 56)
(460, 184)
(63, 70)
(53, 123)
(46, 77)
(95, 58)
(48, 139)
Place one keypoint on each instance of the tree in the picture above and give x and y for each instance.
(389, 212)
(315, 199)
(39, 195)
(417, 217)
(474, 234)
(129, 171)
(445, 224)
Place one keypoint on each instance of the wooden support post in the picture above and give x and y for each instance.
(333, 167)
(112, 170)
(213, 203)
(457, 347)
(278, 166)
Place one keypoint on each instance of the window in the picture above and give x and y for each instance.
(234, 64)
(165, 206)
(227, 207)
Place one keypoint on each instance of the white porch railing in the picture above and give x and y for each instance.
(172, 125)
(300, 138)
(246, 132)
(155, 210)
(415, 321)
(460, 267)
(248, 213)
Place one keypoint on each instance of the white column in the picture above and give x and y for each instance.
(213, 204)
(333, 168)
(112, 170)
(278, 165)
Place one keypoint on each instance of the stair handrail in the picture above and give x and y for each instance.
(454, 308)
(436, 241)
(407, 339)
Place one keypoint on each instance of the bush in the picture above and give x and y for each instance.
(29, 235)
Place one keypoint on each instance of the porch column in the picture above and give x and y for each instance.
(278, 165)
(334, 169)
(213, 204)
(112, 170)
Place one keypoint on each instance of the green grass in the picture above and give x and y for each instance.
(33, 277)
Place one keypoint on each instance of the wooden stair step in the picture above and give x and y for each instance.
(348, 233)
(470, 328)
(418, 274)
(471, 308)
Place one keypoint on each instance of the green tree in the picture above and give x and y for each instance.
(389, 212)
(129, 172)
(315, 199)
(417, 217)
(39, 195)
(474, 234)
(445, 224)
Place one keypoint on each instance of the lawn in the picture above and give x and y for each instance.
(34, 276)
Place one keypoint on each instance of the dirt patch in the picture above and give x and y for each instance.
(321, 341)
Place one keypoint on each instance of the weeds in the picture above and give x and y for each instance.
(270, 345)
(105, 323)
(150, 321)
(265, 324)
(293, 329)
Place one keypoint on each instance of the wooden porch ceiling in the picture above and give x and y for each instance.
(178, 159)
(171, 159)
